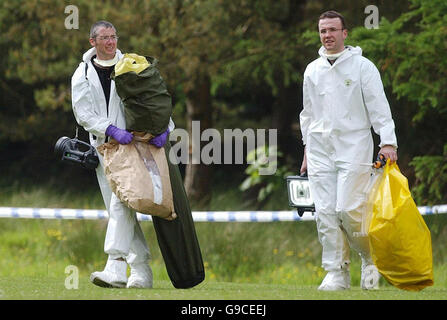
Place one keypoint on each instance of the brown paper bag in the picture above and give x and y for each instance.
(138, 174)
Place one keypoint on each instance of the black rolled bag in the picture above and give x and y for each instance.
(148, 108)
(177, 239)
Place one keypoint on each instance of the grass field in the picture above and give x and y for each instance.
(280, 266)
(243, 261)
(38, 288)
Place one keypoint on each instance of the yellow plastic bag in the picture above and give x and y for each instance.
(399, 238)
(131, 62)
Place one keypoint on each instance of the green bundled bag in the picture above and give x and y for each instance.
(146, 99)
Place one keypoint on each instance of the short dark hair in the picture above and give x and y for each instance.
(333, 14)
(97, 25)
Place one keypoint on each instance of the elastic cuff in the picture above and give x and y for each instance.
(388, 144)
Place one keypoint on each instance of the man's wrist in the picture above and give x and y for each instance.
(390, 145)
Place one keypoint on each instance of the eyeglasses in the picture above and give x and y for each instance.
(330, 30)
(106, 38)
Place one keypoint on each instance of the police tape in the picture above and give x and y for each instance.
(198, 216)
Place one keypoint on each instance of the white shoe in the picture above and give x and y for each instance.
(336, 280)
(370, 277)
(113, 276)
(140, 276)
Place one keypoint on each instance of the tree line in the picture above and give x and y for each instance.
(228, 64)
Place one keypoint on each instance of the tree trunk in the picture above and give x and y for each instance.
(198, 177)
(285, 118)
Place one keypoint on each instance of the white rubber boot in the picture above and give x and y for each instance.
(336, 280)
(113, 276)
(140, 276)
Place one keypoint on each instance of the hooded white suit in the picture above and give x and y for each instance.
(341, 102)
(124, 237)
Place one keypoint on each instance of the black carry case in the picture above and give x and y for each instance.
(177, 239)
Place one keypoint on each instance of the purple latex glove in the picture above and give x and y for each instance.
(160, 140)
(120, 135)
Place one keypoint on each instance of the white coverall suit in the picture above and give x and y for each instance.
(124, 237)
(340, 104)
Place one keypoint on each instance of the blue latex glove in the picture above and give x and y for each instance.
(120, 135)
(160, 140)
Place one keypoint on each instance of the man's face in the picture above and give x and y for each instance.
(331, 34)
(104, 43)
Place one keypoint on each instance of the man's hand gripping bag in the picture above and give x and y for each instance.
(399, 238)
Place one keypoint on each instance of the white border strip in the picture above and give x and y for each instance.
(198, 216)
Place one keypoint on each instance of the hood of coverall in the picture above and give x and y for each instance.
(88, 55)
(348, 52)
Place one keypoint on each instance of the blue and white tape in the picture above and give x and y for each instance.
(198, 216)
(433, 210)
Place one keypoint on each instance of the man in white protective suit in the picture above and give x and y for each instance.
(98, 108)
(343, 98)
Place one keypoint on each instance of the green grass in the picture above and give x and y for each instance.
(53, 288)
(277, 260)
(242, 260)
